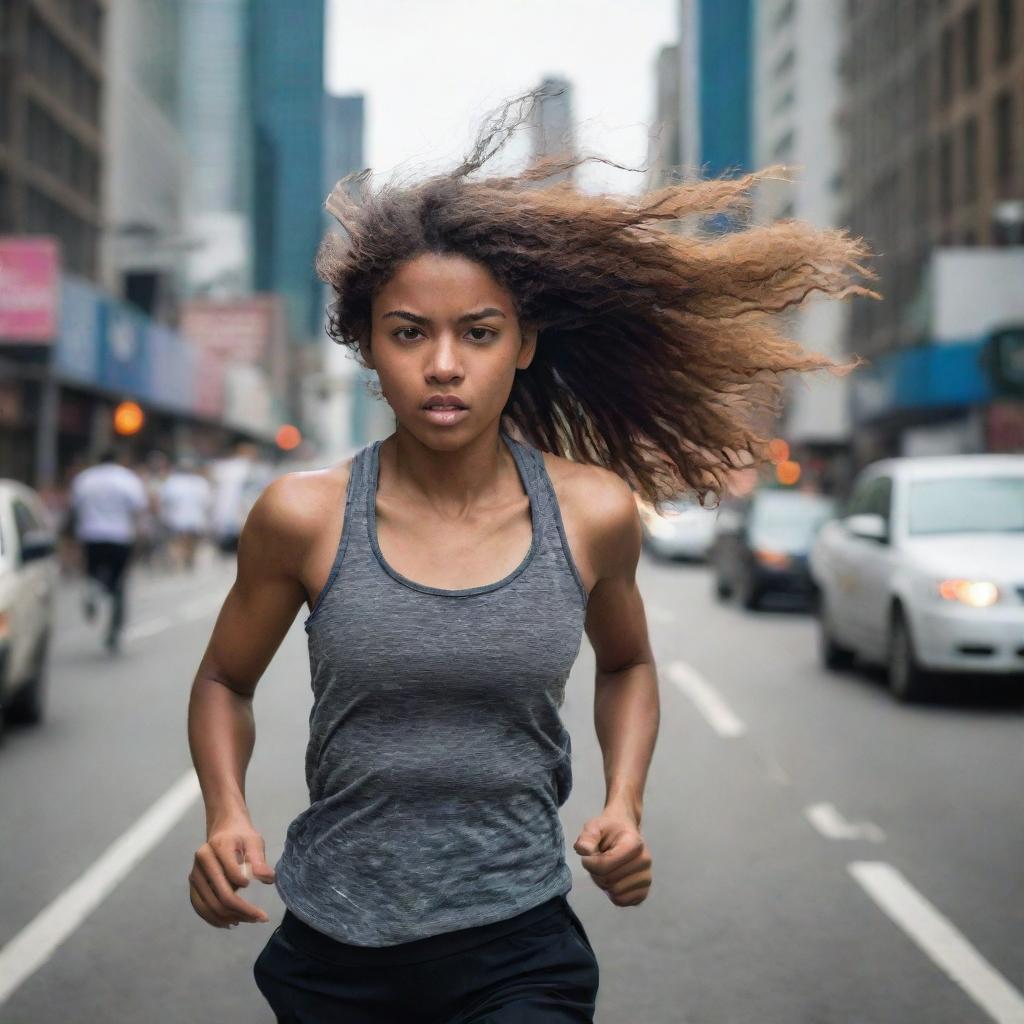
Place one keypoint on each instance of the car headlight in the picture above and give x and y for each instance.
(976, 593)
(773, 559)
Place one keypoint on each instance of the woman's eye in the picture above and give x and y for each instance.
(480, 333)
(404, 336)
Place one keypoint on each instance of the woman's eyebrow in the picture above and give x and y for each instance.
(402, 314)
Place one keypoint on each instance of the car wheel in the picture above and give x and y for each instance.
(750, 594)
(29, 703)
(908, 682)
(833, 655)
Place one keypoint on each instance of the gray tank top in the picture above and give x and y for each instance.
(437, 758)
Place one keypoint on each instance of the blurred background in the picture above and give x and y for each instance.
(826, 853)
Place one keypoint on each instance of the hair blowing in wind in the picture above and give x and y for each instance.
(660, 352)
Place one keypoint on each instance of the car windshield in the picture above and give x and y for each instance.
(967, 504)
(795, 514)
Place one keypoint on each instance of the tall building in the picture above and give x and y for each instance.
(146, 167)
(216, 118)
(934, 180)
(346, 415)
(552, 131)
(796, 100)
(665, 154)
(286, 48)
(51, 142)
(716, 54)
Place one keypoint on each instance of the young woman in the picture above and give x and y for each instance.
(546, 354)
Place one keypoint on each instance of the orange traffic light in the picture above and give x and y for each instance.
(128, 419)
(787, 472)
(289, 437)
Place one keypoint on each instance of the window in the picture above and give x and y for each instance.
(970, 160)
(1005, 28)
(1003, 117)
(970, 44)
(946, 66)
(946, 173)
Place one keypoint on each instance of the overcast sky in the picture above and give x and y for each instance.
(431, 68)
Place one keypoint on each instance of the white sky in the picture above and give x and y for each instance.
(430, 70)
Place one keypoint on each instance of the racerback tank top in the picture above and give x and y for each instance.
(437, 757)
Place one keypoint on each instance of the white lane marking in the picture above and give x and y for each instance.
(144, 629)
(832, 825)
(707, 700)
(938, 937)
(36, 942)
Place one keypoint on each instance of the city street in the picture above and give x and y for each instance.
(823, 855)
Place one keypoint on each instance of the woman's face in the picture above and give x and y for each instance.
(443, 329)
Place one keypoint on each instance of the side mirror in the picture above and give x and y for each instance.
(868, 526)
(37, 544)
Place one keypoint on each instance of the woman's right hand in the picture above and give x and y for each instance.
(218, 872)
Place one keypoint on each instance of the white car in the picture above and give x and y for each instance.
(924, 572)
(684, 530)
(28, 582)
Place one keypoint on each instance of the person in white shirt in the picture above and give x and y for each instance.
(185, 499)
(107, 500)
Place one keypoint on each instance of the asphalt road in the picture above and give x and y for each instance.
(822, 854)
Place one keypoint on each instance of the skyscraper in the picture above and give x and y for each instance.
(551, 128)
(715, 49)
(216, 122)
(286, 48)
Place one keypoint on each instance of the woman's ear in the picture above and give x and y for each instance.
(365, 353)
(527, 346)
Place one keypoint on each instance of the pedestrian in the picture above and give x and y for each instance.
(184, 503)
(545, 353)
(237, 480)
(107, 500)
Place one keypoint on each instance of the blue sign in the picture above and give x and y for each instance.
(124, 356)
(77, 355)
(925, 376)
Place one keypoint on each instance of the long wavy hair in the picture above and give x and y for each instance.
(660, 348)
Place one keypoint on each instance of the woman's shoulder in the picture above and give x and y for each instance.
(295, 507)
(597, 502)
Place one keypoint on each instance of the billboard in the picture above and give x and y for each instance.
(29, 288)
(250, 330)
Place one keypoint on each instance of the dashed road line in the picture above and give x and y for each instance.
(149, 628)
(832, 825)
(707, 700)
(36, 942)
(940, 940)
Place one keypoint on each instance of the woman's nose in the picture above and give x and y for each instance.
(444, 360)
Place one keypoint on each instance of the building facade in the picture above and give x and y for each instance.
(286, 53)
(715, 50)
(52, 80)
(796, 100)
(146, 167)
(216, 119)
(932, 115)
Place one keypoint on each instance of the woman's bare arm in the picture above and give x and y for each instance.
(256, 615)
(626, 701)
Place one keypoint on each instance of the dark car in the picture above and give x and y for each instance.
(762, 543)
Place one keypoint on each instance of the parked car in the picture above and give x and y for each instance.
(28, 581)
(683, 529)
(762, 542)
(924, 572)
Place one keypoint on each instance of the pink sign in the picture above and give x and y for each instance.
(29, 273)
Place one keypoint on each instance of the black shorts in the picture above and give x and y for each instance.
(535, 968)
